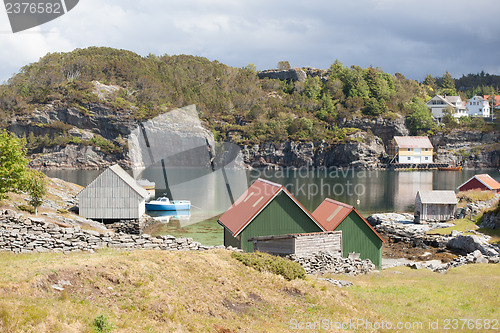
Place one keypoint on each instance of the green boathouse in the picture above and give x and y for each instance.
(357, 234)
(265, 209)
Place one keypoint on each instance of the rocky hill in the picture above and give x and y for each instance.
(77, 110)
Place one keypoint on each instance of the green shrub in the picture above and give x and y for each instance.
(102, 324)
(26, 208)
(107, 146)
(265, 262)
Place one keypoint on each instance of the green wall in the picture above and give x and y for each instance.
(282, 216)
(358, 237)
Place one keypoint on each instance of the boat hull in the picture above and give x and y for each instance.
(169, 206)
(451, 169)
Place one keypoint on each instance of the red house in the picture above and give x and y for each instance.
(483, 182)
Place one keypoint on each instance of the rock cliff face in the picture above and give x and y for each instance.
(76, 157)
(472, 149)
(294, 74)
(384, 128)
(364, 154)
(96, 117)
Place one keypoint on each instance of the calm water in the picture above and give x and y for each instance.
(211, 194)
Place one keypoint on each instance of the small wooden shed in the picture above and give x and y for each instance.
(357, 234)
(113, 195)
(482, 182)
(265, 209)
(300, 244)
(435, 205)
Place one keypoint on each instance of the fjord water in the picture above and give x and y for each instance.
(211, 194)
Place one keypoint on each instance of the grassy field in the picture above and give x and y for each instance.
(154, 291)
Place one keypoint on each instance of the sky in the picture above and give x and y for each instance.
(412, 37)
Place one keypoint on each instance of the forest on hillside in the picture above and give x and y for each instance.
(234, 103)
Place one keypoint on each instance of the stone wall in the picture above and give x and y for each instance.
(325, 262)
(132, 227)
(19, 234)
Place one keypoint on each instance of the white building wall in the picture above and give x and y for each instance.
(409, 159)
(109, 197)
(478, 107)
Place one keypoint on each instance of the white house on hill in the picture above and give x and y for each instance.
(478, 106)
(439, 104)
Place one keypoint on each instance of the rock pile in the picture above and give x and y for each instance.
(132, 227)
(19, 234)
(471, 243)
(491, 221)
(475, 257)
(400, 227)
(325, 262)
(338, 283)
(475, 208)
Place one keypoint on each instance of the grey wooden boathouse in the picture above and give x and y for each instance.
(435, 205)
(114, 195)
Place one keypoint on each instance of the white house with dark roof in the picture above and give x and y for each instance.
(439, 104)
(478, 106)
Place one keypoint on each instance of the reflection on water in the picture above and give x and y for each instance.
(377, 191)
(165, 216)
(208, 192)
(407, 184)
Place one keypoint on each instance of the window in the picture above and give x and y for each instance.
(408, 158)
(409, 149)
(426, 158)
(426, 149)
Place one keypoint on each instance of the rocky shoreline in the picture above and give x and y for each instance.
(465, 249)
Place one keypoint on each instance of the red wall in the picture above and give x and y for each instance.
(473, 184)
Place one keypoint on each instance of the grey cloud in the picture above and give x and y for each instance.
(412, 37)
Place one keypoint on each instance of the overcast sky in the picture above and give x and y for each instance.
(413, 37)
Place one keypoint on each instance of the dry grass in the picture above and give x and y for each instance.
(154, 291)
(474, 196)
(406, 295)
(148, 291)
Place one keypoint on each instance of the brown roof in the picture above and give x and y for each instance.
(486, 180)
(331, 213)
(252, 202)
(413, 142)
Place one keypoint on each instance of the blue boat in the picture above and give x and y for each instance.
(164, 203)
